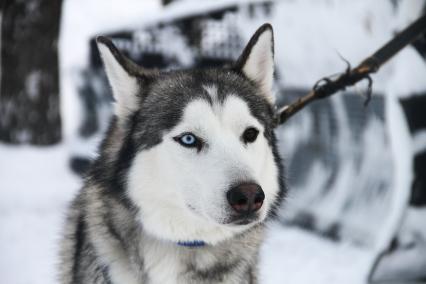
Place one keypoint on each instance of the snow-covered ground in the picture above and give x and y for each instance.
(36, 183)
(35, 186)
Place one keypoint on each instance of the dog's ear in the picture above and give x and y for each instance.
(122, 76)
(257, 60)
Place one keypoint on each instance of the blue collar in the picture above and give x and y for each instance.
(192, 244)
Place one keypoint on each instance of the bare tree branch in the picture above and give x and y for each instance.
(327, 87)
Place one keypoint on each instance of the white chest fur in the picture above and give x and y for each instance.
(163, 264)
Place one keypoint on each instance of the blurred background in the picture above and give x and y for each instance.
(356, 210)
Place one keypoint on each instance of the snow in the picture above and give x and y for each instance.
(292, 256)
(35, 187)
(36, 183)
(408, 261)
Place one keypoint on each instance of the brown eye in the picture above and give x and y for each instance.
(250, 135)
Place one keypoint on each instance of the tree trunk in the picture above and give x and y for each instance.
(29, 92)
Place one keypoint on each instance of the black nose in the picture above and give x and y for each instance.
(246, 197)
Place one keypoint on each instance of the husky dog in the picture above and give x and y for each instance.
(186, 176)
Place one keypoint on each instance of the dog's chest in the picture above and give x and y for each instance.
(190, 265)
(162, 265)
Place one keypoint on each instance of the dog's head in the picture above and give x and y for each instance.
(199, 144)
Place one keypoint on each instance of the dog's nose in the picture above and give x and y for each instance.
(246, 197)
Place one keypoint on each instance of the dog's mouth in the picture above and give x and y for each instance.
(245, 219)
(235, 219)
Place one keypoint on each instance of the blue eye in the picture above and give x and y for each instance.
(189, 140)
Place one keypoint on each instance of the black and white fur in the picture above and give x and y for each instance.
(147, 193)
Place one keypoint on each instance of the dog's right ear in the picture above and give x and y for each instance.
(122, 76)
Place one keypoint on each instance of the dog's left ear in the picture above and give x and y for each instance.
(257, 60)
